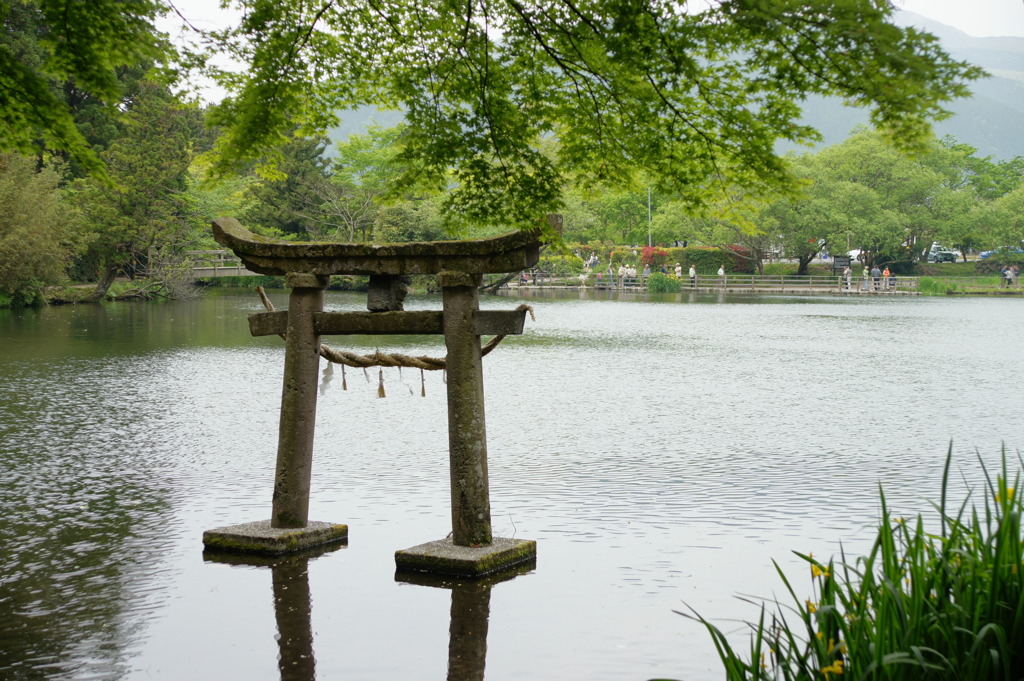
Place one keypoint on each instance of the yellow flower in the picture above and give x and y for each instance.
(819, 571)
(834, 668)
(811, 607)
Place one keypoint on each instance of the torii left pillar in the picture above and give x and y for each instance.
(298, 402)
(289, 528)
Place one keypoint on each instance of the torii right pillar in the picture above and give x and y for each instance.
(467, 431)
(471, 550)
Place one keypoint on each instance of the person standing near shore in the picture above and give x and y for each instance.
(693, 276)
(848, 275)
(679, 271)
(721, 275)
(876, 275)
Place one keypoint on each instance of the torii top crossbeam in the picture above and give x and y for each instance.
(506, 253)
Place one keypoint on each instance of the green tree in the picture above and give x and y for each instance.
(739, 228)
(62, 59)
(839, 207)
(1005, 219)
(674, 221)
(580, 222)
(38, 230)
(696, 99)
(289, 199)
(410, 220)
(622, 215)
(990, 178)
(361, 174)
(152, 210)
(867, 194)
(967, 221)
(228, 197)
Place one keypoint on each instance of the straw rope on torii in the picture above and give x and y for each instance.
(394, 359)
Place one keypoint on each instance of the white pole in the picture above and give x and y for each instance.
(648, 217)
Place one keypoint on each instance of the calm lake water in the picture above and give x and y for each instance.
(662, 452)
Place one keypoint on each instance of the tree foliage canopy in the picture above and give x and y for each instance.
(695, 98)
(50, 43)
(692, 95)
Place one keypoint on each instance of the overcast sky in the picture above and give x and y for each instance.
(980, 18)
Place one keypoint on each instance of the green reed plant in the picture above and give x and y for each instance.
(662, 283)
(921, 605)
(932, 286)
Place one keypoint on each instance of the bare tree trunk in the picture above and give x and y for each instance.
(104, 284)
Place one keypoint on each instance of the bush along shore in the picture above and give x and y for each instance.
(924, 604)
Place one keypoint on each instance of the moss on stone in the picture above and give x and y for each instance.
(262, 539)
(506, 253)
(445, 558)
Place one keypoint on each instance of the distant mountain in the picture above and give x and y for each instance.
(992, 120)
(358, 121)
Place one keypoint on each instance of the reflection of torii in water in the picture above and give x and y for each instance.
(293, 606)
(458, 265)
(470, 616)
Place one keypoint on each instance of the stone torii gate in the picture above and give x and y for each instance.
(470, 550)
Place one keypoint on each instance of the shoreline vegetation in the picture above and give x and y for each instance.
(961, 279)
(925, 603)
(950, 279)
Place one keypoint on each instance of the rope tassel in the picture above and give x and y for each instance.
(423, 384)
(344, 381)
(380, 386)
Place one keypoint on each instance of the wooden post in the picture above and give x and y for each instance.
(467, 433)
(298, 403)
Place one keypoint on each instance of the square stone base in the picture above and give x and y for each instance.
(262, 539)
(443, 557)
